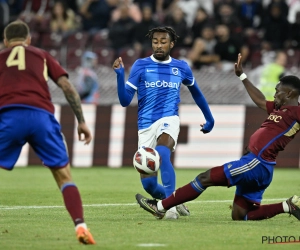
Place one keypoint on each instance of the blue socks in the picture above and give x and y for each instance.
(168, 176)
(151, 186)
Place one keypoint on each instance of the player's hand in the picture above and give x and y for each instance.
(118, 63)
(206, 127)
(84, 134)
(238, 66)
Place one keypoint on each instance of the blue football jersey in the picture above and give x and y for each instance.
(158, 87)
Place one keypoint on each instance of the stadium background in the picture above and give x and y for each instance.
(114, 127)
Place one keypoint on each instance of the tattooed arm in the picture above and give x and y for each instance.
(75, 103)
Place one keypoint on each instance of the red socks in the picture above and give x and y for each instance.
(73, 203)
(181, 195)
(265, 212)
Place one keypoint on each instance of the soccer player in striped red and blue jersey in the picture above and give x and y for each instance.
(253, 173)
(157, 80)
(27, 115)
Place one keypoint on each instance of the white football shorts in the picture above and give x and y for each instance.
(169, 125)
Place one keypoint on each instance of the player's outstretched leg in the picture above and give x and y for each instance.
(212, 177)
(158, 208)
(73, 203)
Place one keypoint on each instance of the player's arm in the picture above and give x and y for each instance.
(199, 98)
(256, 95)
(203, 105)
(74, 100)
(125, 92)
(72, 97)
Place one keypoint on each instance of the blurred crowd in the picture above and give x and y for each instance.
(212, 33)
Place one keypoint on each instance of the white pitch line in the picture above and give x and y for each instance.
(118, 204)
(151, 245)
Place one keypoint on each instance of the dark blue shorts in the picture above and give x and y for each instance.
(250, 176)
(39, 128)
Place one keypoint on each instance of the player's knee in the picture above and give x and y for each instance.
(236, 216)
(204, 179)
(238, 213)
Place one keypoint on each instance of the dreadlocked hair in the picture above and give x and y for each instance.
(292, 81)
(164, 29)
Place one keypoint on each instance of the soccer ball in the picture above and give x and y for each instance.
(146, 160)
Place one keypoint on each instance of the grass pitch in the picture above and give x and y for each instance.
(32, 215)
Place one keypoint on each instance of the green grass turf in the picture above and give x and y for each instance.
(121, 224)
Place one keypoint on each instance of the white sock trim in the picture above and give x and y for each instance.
(286, 207)
(160, 207)
(81, 225)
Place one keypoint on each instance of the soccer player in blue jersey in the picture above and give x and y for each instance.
(253, 173)
(27, 115)
(157, 80)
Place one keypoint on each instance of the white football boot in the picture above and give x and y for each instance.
(182, 210)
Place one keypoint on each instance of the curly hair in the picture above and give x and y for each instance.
(292, 81)
(164, 29)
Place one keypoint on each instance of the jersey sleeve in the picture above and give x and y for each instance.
(270, 106)
(55, 70)
(134, 75)
(188, 78)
